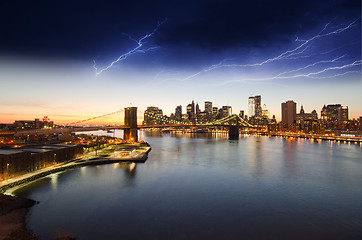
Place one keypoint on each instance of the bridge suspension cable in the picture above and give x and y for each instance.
(94, 118)
(223, 121)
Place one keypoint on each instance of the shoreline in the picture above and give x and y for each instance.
(14, 209)
(99, 160)
(13, 213)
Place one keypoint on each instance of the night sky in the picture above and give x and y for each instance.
(56, 56)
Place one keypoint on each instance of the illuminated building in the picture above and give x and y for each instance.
(178, 113)
(343, 114)
(334, 112)
(251, 105)
(265, 112)
(241, 114)
(214, 111)
(36, 124)
(257, 106)
(198, 111)
(289, 112)
(226, 111)
(191, 110)
(208, 107)
(306, 117)
(152, 116)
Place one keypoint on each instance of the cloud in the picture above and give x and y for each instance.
(228, 24)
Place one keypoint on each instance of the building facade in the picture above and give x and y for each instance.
(289, 112)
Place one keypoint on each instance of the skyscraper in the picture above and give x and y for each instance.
(257, 106)
(214, 111)
(334, 112)
(241, 114)
(289, 112)
(343, 114)
(251, 106)
(178, 113)
(152, 116)
(208, 107)
(198, 109)
(191, 109)
(226, 111)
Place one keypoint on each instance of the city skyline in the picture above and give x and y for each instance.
(173, 53)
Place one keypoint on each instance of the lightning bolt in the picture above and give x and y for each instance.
(308, 75)
(295, 53)
(137, 49)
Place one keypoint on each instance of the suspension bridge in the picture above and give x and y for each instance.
(232, 122)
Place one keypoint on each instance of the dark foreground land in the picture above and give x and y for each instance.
(13, 211)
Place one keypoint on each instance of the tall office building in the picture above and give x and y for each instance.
(198, 111)
(152, 116)
(289, 112)
(251, 106)
(257, 106)
(191, 109)
(334, 112)
(178, 113)
(214, 111)
(265, 112)
(208, 107)
(241, 114)
(226, 111)
(343, 114)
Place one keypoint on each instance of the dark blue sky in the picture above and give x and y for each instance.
(88, 29)
(221, 51)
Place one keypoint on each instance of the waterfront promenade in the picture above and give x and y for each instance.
(103, 156)
(346, 139)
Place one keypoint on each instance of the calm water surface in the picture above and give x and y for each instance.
(208, 187)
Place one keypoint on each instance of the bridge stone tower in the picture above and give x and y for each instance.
(234, 130)
(130, 120)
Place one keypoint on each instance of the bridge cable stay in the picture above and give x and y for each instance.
(94, 118)
(223, 121)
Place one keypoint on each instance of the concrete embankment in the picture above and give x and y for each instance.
(13, 209)
(102, 159)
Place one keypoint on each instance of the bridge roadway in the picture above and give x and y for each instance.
(20, 133)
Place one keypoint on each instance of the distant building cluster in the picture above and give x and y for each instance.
(333, 118)
(154, 115)
(29, 124)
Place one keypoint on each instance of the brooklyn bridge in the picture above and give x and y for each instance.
(130, 127)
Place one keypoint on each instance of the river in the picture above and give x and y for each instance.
(208, 187)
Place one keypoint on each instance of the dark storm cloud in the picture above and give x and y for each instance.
(258, 23)
(85, 29)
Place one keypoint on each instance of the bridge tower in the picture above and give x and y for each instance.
(130, 120)
(234, 130)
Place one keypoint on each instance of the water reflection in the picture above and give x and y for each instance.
(256, 162)
(129, 169)
(290, 146)
(202, 187)
(54, 181)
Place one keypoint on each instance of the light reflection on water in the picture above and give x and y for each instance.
(207, 187)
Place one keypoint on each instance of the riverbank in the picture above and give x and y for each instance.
(140, 155)
(342, 139)
(13, 212)
(13, 209)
